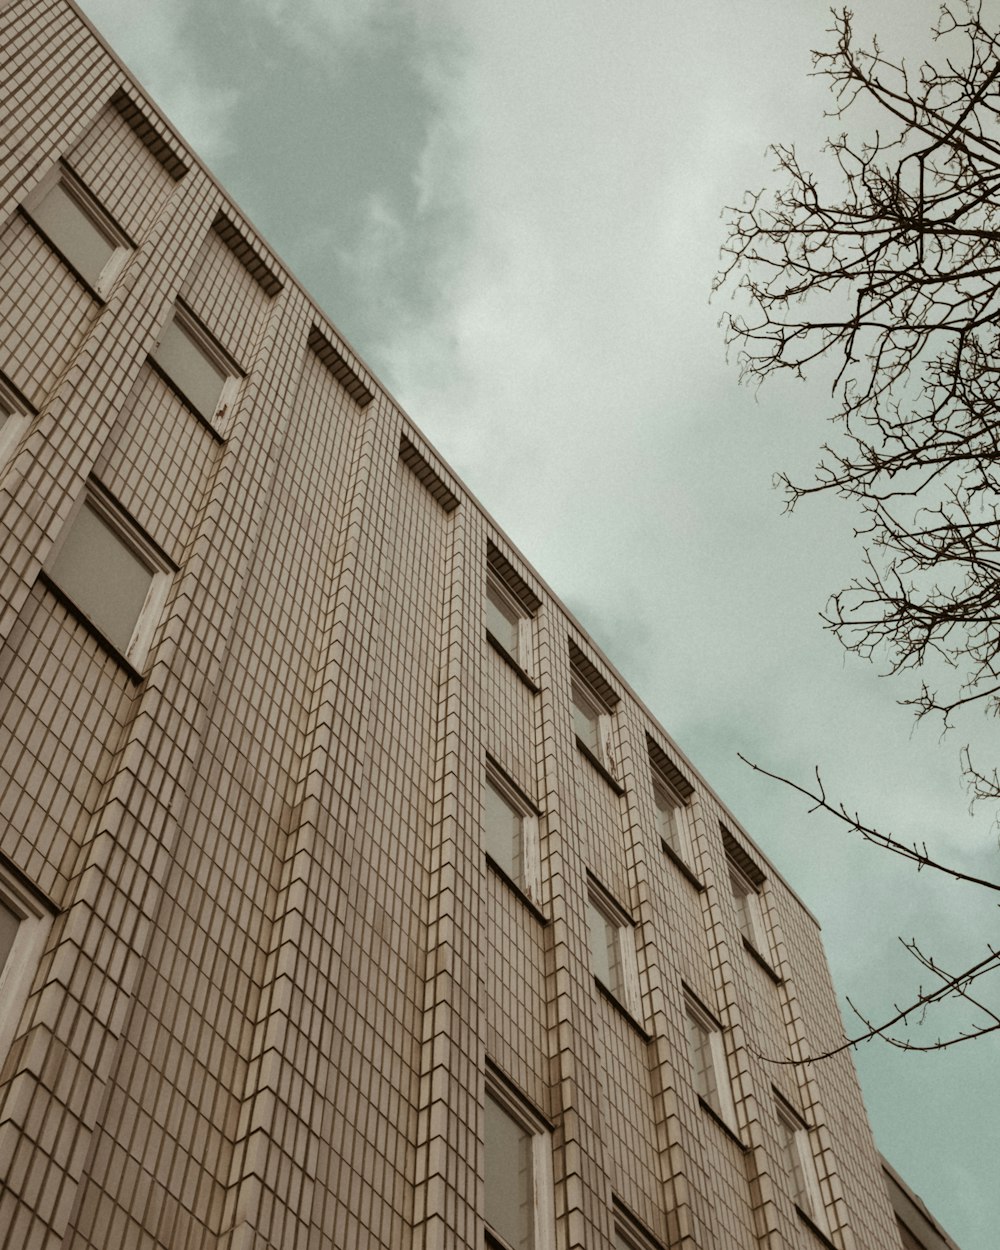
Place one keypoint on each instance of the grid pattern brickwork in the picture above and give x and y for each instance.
(279, 968)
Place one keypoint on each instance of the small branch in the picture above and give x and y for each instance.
(886, 840)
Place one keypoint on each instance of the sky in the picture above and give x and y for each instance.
(513, 213)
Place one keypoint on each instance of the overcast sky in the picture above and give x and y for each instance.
(512, 211)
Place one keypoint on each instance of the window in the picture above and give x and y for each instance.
(629, 1233)
(612, 948)
(503, 617)
(587, 715)
(14, 421)
(23, 926)
(745, 881)
(672, 819)
(799, 1164)
(749, 913)
(707, 1053)
(79, 229)
(510, 608)
(510, 831)
(517, 1173)
(194, 364)
(592, 703)
(112, 573)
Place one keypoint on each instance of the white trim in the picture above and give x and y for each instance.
(19, 970)
(593, 709)
(543, 1193)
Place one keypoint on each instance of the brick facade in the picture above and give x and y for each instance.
(272, 972)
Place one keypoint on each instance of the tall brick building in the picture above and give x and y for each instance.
(348, 895)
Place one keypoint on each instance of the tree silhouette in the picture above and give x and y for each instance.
(893, 282)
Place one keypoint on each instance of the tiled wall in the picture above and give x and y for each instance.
(279, 967)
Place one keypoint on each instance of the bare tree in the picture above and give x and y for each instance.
(893, 282)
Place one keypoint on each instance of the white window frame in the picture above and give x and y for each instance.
(120, 245)
(541, 1162)
(34, 922)
(592, 707)
(810, 1199)
(752, 909)
(505, 602)
(145, 551)
(675, 813)
(213, 352)
(14, 423)
(711, 1034)
(618, 919)
(530, 866)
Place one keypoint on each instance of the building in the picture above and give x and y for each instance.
(348, 896)
(917, 1227)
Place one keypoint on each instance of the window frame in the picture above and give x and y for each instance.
(501, 598)
(713, 1036)
(808, 1199)
(17, 974)
(629, 1233)
(145, 551)
(203, 341)
(749, 912)
(120, 245)
(15, 421)
(616, 918)
(529, 879)
(528, 1120)
(679, 819)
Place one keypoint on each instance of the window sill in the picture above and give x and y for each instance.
(622, 1010)
(707, 1107)
(509, 660)
(814, 1228)
(198, 416)
(585, 751)
(680, 865)
(127, 667)
(758, 958)
(512, 885)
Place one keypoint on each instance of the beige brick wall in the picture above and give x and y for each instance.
(279, 967)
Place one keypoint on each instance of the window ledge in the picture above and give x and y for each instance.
(707, 1106)
(814, 1228)
(680, 865)
(198, 416)
(612, 781)
(128, 668)
(622, 1010)
(512, 885)
(509, 660)
(755, 954)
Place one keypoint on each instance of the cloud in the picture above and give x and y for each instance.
(152, 39)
